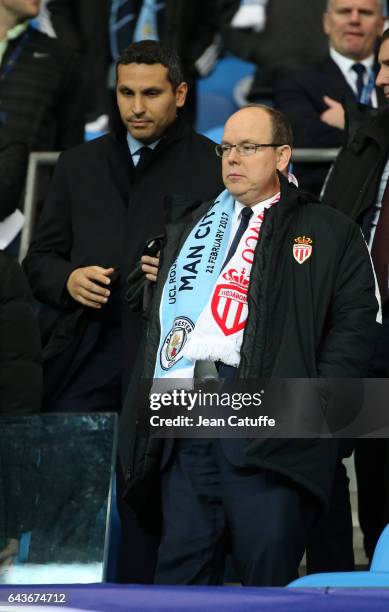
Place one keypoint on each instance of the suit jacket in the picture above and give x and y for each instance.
(300, 96)
(361, 160)
(100, 210)
(85, 29)
(41, 98)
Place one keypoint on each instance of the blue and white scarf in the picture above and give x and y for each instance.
(204, 308)
(189, 284)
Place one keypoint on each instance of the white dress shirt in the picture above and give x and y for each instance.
(345, 66)
(257, 209)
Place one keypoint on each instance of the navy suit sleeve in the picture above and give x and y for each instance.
(303, 104)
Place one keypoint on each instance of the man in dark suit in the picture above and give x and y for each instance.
(311, 98)
(358, 187)
(105, 201)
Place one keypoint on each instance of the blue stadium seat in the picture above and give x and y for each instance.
(343, 579)
(378, 576)
(215, 133)
(226, 74)
(380, 561)
(213, 109)
(215, 93)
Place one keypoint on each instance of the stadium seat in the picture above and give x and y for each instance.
(378, 576)
(227, 72)
(215, 133)
(380, 561)
(213, 109)
(215, 93)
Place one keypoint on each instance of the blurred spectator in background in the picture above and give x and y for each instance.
(312, 97)
(20, 357)
(41, 100)
(83, 25)
(273, 34)
(40, 97)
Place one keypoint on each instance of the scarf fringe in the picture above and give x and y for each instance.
(211, 350)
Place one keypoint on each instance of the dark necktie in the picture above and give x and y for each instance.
(380, 246)
(244, 221)
(360, 69)
(144, 154)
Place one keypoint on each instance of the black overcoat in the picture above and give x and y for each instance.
(315, 320)
(100, 211)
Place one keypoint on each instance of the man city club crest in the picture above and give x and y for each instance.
(175, 342)
(302, 249)
(229, 302)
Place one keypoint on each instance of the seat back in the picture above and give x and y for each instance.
(380, 561)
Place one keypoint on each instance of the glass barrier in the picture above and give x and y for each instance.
(56, 475)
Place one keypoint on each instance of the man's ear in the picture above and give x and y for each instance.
(283, 153)
(326, 26)
(181, 93)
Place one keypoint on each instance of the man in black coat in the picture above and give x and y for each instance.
(311, 97)
(40, 96)
(106, 200)
(357, 187)
(267, 326)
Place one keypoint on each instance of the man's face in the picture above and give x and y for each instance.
(383, 75)
(353, 27)
(146, 100)
(252, 179)
(21, 9)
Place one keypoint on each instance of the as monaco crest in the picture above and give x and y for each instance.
(229, 302)
(302, 249)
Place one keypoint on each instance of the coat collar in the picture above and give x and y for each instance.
(292, 196)
(368, 125)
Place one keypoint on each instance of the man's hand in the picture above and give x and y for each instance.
(83, 285)
(334, 115)
(150, 267)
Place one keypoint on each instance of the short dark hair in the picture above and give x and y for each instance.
(385, 35)
(152, 52)
(281, 128)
